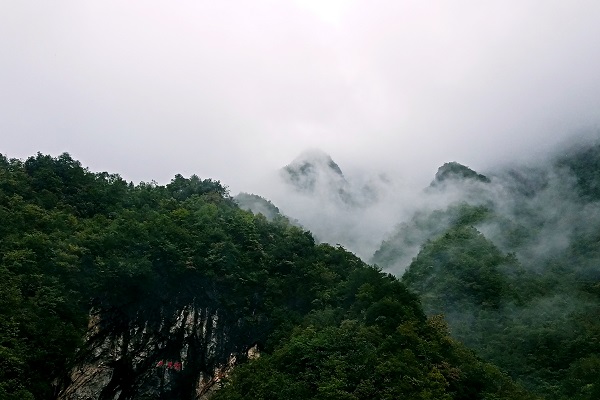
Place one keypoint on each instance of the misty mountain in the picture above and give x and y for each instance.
(509, 255)
(142, 291)
(338, 208)
(531, 210)
(315, 172)
(361, 210)
(513, 262)
(112, 290)
(398, 250)
(312, 167)
(457, 171)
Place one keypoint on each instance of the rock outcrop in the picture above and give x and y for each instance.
(178, 354)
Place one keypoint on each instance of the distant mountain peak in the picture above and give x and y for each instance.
(313, 158)
(456, 171)
(311, 167)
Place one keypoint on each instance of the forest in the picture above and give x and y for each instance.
(98, 274)
(514, 266)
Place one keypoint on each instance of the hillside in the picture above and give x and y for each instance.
(119, 291)
(257, 205)
(514, 265)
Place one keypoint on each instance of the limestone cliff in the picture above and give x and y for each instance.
(181, 353)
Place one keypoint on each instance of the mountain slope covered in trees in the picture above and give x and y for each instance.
(514, 265)
(120, 291)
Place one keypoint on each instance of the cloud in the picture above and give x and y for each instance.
(233, 89)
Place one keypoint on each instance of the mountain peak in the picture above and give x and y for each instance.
(456, 171)
(314, 157)
(310, 167)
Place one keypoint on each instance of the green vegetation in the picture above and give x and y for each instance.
(585, 165)
(456, 171)
(328, 326)
(539, 327)
(525, 296)
(257, 205)
(405, 242)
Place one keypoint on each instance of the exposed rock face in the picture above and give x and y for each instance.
(178, 355)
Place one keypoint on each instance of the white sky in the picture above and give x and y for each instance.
(233, 89)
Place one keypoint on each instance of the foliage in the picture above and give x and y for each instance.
(408, 237)
(257, 205)
(454, 170)
(328, 326)
(585, 165)
(530, 309)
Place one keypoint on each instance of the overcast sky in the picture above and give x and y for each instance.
(233, 89)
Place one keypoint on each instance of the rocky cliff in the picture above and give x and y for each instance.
(182, 353)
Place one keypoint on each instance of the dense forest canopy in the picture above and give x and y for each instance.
(77, 244)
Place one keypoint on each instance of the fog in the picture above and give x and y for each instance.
(536, 208)
(234, 90)
(538, 212)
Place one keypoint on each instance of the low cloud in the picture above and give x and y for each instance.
(232, 90)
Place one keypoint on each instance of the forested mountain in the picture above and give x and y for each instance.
(513, 262)
(119, 291)
(112, 290)
(456, 171)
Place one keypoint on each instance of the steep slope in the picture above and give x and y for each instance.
(539, 327)
(461, 268)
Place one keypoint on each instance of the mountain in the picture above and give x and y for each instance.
(455, 171)
(119, 291)
(315, 173)
(513, 264)
(337, 208)
(311, 166)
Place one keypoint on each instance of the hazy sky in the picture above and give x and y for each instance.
(231, 89)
